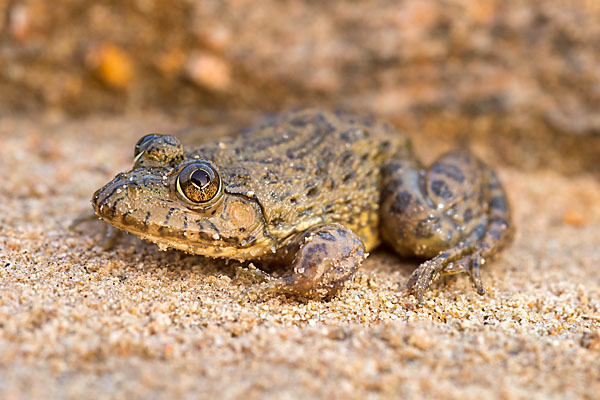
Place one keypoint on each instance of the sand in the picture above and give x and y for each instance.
(77, 321)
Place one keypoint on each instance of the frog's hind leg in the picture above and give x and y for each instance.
(324, 258)
(455, 212)
(487, 239)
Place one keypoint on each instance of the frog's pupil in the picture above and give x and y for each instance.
(200, 178)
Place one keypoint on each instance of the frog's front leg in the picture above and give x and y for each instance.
(455, 213)
(322, 259)
(111, 234)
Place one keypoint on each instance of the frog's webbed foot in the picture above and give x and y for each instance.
(326, 257)
(485, 241)
(110, 235)
(452, 261)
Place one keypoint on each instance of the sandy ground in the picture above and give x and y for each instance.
(134, 322)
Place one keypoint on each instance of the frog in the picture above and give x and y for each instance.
(306, 195)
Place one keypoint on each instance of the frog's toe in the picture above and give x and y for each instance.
(328, 257)
(474, 264)
(449, 262)
(421, 278)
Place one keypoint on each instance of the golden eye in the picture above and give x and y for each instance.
(198, 183)
(141, 145)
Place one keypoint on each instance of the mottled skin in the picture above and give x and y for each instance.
(311, 192)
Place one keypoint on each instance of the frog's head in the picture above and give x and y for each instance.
(182, 203)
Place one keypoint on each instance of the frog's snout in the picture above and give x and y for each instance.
(107, 198)
(121, 200)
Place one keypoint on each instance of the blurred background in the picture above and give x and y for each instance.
(519, 80)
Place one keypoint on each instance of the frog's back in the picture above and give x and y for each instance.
(310, 167)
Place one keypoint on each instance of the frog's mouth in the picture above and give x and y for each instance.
(141, 202)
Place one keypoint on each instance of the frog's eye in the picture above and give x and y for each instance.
(198, 183)
(140, 146)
